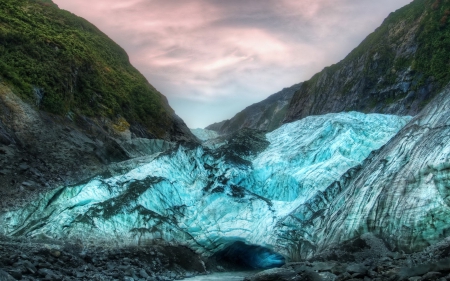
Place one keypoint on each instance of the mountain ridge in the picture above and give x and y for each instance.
(266, 115)
(64, 65)
(397, 69)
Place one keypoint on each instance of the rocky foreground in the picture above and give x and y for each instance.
(55, 260)
(366, 258)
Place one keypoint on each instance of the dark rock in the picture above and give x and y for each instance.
(5, 276)
(16, 274)
(23, 167)
(339, 269)
(328, 276)
(430, 276)
(274, 274)
(421, 269)
(344, 276)
(323, 266)
(55, 253)
(310, 275)
(143, 273)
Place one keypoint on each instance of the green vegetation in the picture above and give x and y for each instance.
(77, 67)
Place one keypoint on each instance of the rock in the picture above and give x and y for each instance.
(45, 271)
(23, 167)
(430, 276)
(279, 274)
(339, 269)
(55, 253)
(421, 269)
(143, 273)
(5, 276)
(310, 275)
(16, 274)
(344, 276)
(328, 276)
(323, 266)
(357, 268)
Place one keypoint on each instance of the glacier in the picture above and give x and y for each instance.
(204, 134)
(401, 193)
(248, 190)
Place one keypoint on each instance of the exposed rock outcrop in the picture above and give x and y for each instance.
(395, 70)
(39, 151)
(266, 115)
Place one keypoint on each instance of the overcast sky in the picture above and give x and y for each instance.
(213, 58)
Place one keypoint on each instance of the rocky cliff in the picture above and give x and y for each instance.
(397, 69)
(70, 102)
(266, 115)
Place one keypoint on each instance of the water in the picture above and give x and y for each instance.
(223, 276)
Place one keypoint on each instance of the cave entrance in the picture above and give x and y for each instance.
(241, 256)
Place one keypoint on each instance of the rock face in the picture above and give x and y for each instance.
(395, 70)
(400, 193)
(70, 102)
(76, 260)
(39, 151)
(266, 115)
(210, 199)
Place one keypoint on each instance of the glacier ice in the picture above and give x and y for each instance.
(401, 193)
(204, 134)
(208, 199)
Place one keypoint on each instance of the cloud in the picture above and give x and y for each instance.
(220, 56)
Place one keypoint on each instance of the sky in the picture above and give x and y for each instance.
(213, 58)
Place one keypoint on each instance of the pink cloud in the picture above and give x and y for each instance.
(223, 55)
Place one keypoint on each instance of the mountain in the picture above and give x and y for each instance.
(265, 115)
(66, 66)
(70, 102)
(397, 69)
(347, 195)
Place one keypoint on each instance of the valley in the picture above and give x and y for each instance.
(345, 176)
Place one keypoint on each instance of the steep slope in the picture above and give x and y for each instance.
(70, 102)
(266, 115)
(210, 199)
(64, 65)
(397, 69)
(401, 193)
